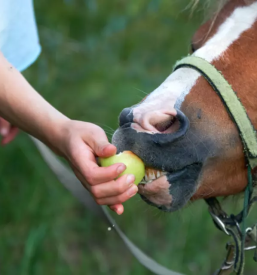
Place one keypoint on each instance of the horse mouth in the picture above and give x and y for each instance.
(152, 174)
(169, 191)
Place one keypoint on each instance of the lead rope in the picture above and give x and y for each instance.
(70, 182)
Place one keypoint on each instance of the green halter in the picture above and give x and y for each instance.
(235, 256)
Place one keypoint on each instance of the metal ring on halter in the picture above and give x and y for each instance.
(248, 229)
(220, 223)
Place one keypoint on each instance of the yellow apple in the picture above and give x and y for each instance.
(133, 163)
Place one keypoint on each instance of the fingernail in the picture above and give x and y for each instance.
(120, 169)
(132, 191)
(3, 131)
(130, 179)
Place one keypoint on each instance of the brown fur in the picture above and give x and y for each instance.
(225, 173)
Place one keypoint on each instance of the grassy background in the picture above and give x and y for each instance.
(99, 57)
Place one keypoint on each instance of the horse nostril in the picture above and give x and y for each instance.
(126, 116)
(167, 126)
(174, 129)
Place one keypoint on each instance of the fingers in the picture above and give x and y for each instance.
(118, 208)
(120, 198)
(98, 175)
(113, 188)
(85, 162)
(7, 131)
(116, 192)
(4, 127)
(10, 136)
(81, 178)
(122, 189)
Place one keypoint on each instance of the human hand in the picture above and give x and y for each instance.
(7, 131)
(80, 143)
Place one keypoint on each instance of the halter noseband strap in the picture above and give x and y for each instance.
(230, 224)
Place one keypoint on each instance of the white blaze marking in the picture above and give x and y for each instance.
(172, 92)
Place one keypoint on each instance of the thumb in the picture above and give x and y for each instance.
(103, 148)
(106, 150)
(100, 144)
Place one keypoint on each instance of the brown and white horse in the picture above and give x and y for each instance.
(182, 130)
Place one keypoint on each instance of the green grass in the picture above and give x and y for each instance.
(99, 57)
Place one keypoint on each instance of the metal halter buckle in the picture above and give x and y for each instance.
(219, 222)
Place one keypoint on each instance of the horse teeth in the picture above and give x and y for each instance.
(152, 174)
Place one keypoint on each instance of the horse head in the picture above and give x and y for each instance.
(182, 131)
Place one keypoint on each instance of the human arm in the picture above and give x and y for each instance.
(78, 142)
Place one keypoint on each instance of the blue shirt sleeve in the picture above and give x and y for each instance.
(19, 41)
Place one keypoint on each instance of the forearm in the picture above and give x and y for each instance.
(21, 105)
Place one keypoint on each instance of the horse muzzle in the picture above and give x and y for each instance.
(171, 190)
(158, 138)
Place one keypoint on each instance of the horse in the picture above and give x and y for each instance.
(184, 134)
(182, 131)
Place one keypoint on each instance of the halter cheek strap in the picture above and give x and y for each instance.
(230, 100)
(230, 224)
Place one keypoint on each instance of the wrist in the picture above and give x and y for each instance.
(54, 135)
